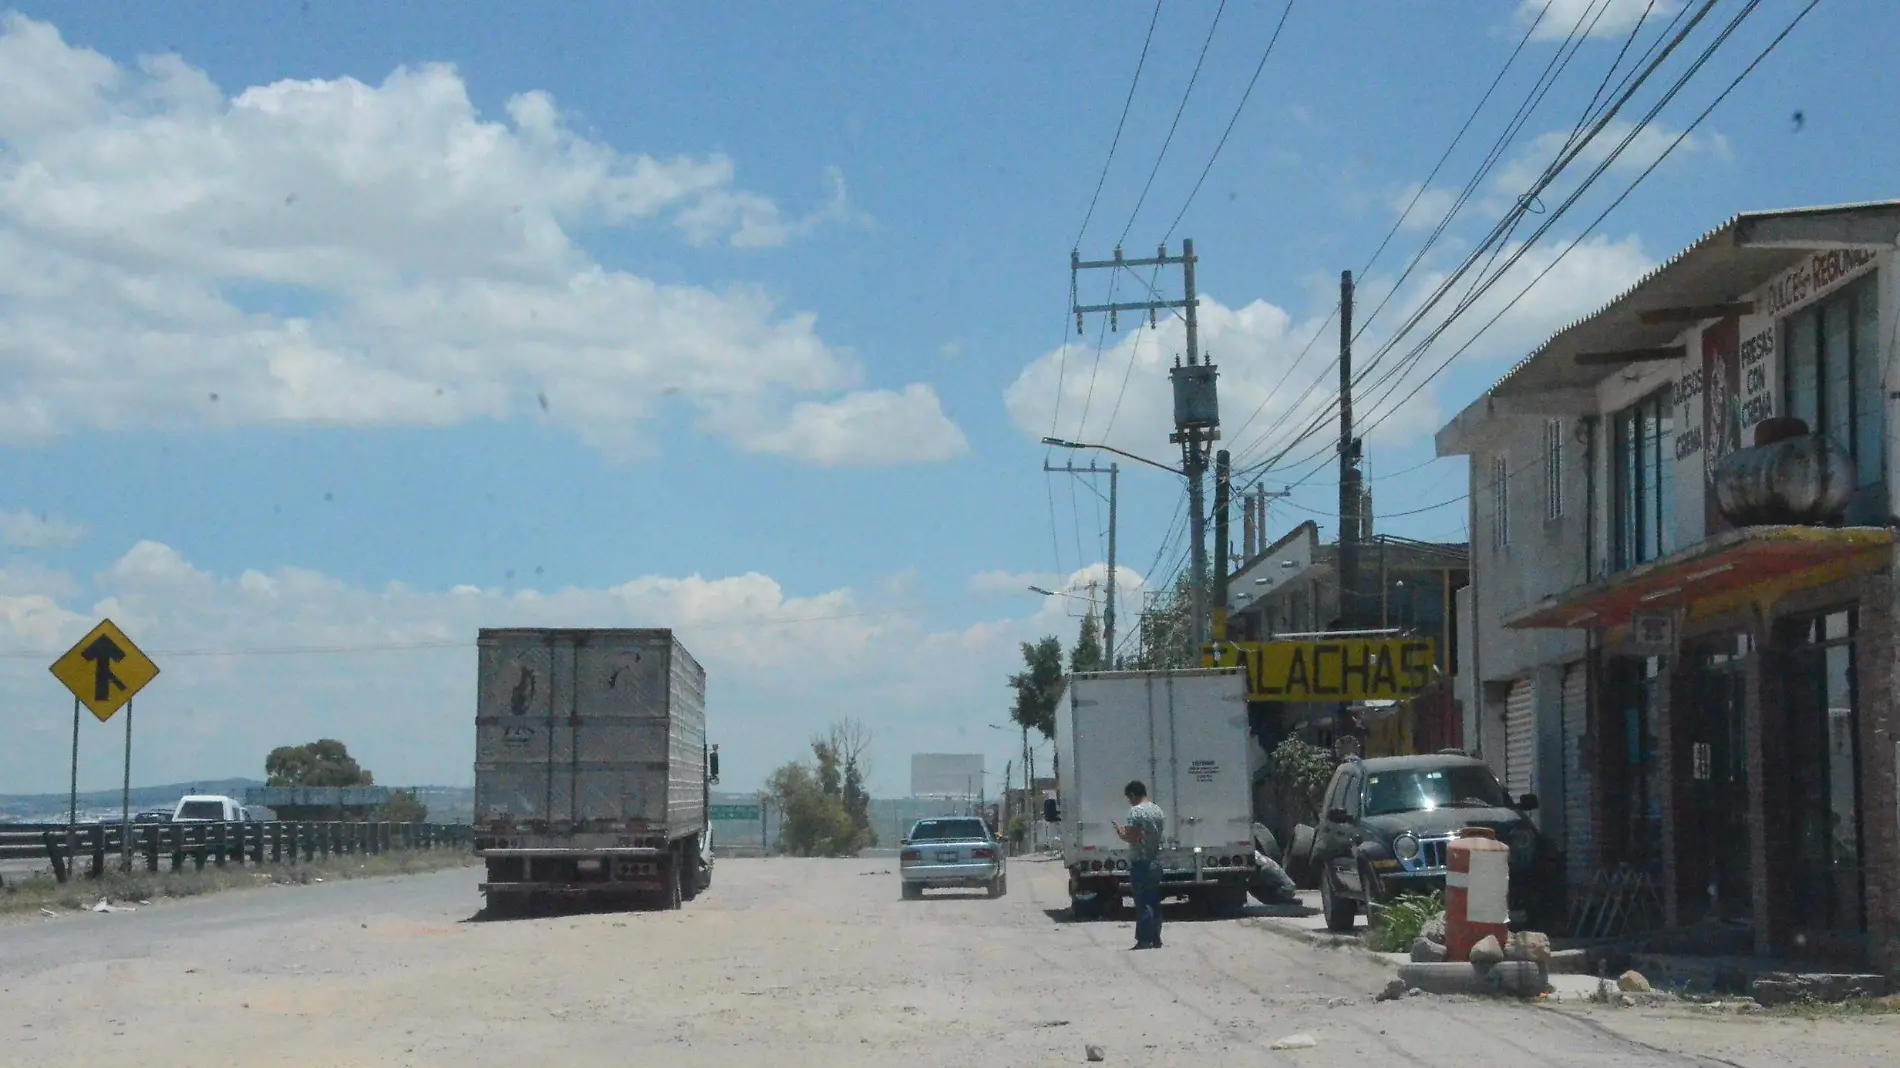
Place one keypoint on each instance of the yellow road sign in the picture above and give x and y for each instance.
(104, 670)
(1348, 669)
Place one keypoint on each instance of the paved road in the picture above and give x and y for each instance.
(783, 962)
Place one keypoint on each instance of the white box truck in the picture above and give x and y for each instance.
(1184, 734)
(591, 768)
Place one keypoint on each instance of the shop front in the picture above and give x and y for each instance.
(1741, 737)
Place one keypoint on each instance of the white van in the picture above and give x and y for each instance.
(209, 808)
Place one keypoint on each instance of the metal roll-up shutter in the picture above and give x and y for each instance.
(1520, 739)
(1579, 828)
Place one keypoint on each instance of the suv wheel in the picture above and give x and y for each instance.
(1338, 908)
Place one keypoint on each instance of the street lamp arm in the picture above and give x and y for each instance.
(1061, 444)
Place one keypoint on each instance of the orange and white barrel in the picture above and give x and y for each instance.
(1477, 891)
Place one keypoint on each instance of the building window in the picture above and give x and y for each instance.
(1553, 469)
(1645, 472)
(1820, 759)
(1500, 504)
(1831, 375)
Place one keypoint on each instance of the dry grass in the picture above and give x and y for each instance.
(1853, 1008)
(43, 892)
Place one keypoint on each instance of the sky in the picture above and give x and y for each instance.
(331, 332)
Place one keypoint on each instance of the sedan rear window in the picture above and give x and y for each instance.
(948, 830)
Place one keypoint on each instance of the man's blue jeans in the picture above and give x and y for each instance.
(1144, 879)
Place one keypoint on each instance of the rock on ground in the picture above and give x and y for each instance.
(1487, 952)
(1632, 982)
(1528, 945)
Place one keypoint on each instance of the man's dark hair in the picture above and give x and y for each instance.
(1135, 788)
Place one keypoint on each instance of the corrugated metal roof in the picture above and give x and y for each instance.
(1713, 268)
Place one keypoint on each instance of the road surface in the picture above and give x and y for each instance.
(782, 962)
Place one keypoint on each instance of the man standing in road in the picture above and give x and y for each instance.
(1143, 835)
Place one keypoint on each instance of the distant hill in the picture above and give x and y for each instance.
(31, 808)
(447, 804)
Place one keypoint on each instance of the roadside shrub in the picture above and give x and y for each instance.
(1400, 922)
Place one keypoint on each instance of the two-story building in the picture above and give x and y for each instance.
(1683, 594)
(1289, 589)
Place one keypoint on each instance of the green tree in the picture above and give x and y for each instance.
(812, 823)
(1301, 773)
(1037, 686)
(1166, 630)
(843, 755)
(1087, 654)
(324, 762)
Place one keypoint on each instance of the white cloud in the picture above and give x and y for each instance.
(335, 252)
(1646, 146)
(1617, 16)
(1254, 346)
(780, 666)
(25, 530)
(1001, 583)
(1421, 211)
(748, 220)
(866, 429)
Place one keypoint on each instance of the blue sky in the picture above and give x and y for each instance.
(741, 318)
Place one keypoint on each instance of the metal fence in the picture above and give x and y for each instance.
(219, 844)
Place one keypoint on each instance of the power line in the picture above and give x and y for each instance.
(1483, 285)
(1491, 245)
(1178, 112)
(1647, 171)
(1117, 140)
(1397, 224)
(1519, 119)
(1222, 143)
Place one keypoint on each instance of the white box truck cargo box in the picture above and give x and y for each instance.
(1184, 734)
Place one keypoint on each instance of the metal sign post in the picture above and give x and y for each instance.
(103, 672)
(125, 797)
(72, 810)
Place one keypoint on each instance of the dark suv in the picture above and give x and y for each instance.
(1387, 823)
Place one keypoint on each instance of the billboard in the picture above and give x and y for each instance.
(946, 774)
(1347, 669)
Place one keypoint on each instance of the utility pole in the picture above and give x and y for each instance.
(1221, 500)
(1349, 492)
(1108, 610)
(1196, 401)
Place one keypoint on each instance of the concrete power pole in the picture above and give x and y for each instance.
(1221, 503)
(1350, 497)
(1108, 608)
(1196, 401)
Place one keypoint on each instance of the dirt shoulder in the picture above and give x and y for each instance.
(38, 894)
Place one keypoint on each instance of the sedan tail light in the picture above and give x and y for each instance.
(983, 854)
(909, 855)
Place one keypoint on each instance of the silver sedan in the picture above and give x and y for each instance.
(956, 851)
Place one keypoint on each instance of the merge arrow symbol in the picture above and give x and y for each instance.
(103, 652)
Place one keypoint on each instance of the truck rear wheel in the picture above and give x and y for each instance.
(671, 892)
